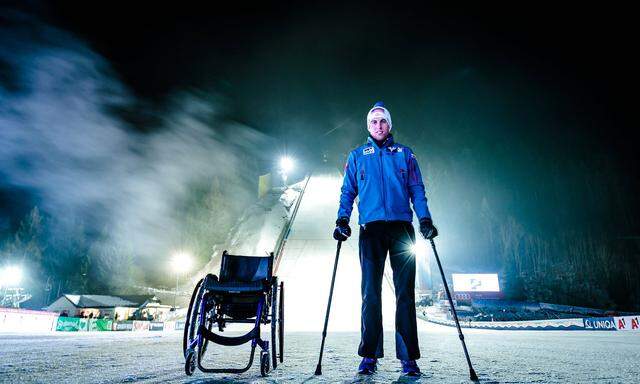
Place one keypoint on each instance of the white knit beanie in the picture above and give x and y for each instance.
(379, 112)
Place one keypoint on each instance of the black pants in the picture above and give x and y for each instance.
(376, 239)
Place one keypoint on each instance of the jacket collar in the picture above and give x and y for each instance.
(387, 142)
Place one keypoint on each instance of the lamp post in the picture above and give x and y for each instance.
(180, 262)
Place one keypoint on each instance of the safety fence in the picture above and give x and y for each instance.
(73, 324)
(21, 320)
(18, 320)
(618, 323)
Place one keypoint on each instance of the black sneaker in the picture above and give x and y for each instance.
(410, 368)
(367, 366)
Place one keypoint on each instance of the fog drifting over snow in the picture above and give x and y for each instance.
(61, 142)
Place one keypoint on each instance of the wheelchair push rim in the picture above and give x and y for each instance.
(192, 320)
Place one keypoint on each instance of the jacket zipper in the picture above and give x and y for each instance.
(384, 189)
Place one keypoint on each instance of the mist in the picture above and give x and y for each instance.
(130, 194)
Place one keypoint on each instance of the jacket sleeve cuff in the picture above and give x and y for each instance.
(343, 219)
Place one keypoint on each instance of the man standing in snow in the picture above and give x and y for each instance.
(387, 178)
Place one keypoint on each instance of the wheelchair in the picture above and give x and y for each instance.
(246, 292)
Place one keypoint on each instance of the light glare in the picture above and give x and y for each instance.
(10, 276)
(286, 164)
(420, 248)
(181, 261)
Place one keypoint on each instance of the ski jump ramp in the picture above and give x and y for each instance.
(306, 264)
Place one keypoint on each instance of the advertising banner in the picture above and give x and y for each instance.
(600, 324)
(627, 323)
(84, 324)
(100, 325)
(123, 326)
(140, 325)
(169, 326)
(475, 282)
(71, 324)
(264, 185)
(156, 326)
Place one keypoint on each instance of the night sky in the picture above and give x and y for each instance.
(521, 110)
(525, 88)
(342, 56)
(551, 76)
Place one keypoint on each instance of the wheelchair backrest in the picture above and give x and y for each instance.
(244, 269)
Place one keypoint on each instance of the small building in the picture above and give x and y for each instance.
(116, 308)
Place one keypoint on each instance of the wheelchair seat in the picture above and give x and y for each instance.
(241, 274)
(214, 285)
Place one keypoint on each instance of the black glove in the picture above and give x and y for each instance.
(427, 229)
(342, 231)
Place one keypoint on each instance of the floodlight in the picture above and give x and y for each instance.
(286, 164)
(181, 261)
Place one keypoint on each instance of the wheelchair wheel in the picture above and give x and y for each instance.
(190, 362)
(274, 320)
(264, 363)
(281, 322)
(190, 326)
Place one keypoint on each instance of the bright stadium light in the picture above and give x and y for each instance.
(181, 262)
(10, 276)
(286, 164)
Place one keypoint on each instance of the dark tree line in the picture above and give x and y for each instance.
(537, 188)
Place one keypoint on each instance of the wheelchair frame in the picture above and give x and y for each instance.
(224, 301)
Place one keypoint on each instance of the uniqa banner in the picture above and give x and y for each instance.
(627, 323)
(600, 324)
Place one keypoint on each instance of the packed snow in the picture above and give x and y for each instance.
(498, 357)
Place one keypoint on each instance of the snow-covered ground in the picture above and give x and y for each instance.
(498, 356)
(306, 266)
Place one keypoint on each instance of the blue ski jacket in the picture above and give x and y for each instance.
(386, 179)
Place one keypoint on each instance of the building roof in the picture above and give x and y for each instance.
(104, 301)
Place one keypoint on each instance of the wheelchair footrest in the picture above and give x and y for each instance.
(229, 341)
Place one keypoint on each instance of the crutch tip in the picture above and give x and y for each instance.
(472, 375)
